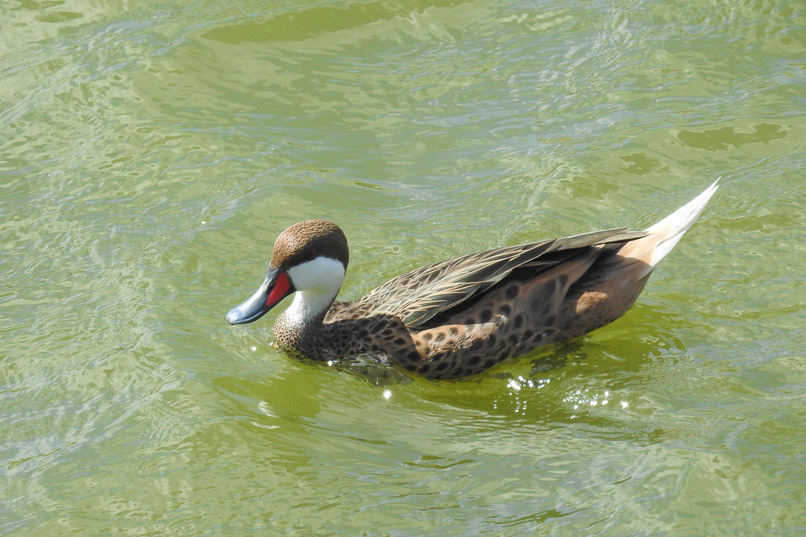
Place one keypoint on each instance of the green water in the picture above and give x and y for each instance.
(150, 152)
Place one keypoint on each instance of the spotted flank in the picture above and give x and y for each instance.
(459, 317)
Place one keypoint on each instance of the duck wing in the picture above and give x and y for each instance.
(419, 295)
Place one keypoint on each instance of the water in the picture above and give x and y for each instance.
(151, 152)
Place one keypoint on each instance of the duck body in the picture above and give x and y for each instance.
(459, 317)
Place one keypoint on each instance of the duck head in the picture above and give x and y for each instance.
(309, 259)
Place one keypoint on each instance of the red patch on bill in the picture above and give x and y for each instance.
(281, 286)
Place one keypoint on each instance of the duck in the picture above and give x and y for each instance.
(459, 317)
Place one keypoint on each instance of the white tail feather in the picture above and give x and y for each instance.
(664, 235)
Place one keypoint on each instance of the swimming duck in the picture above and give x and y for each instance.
(459, 317)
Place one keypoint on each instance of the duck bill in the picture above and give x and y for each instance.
(274, 288)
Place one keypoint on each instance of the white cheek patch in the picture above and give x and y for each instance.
(317, 283)
(316, 274)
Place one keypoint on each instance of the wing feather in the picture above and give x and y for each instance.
(420, 294)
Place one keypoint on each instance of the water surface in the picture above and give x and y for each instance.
(151, 152)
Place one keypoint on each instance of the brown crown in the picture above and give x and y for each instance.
(306, 240)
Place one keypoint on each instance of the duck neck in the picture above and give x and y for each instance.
(308, 308)
(317, 282)
(301, 329)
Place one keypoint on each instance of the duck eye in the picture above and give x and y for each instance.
(310, 254)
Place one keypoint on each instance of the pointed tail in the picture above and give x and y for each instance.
(664, 235)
